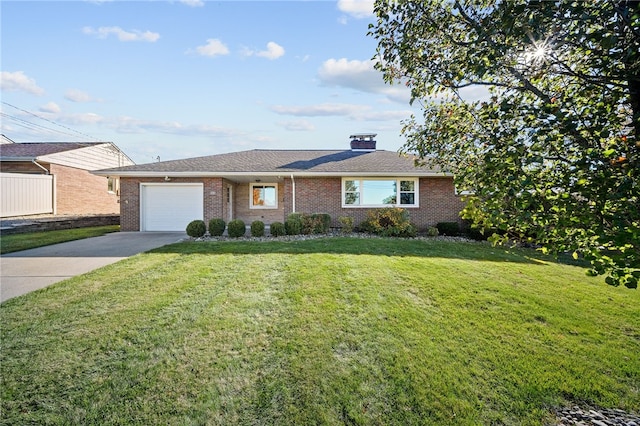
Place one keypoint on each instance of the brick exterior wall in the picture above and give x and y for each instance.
(243, 211)
(438, 202)
(77, 191)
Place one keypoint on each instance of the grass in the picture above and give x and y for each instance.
(18, 242)
(329, 331)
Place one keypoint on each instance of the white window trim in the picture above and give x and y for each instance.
(116, 185)
(251, 206)
(397, 204)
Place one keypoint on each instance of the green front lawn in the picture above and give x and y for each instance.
(17, 242)
(328, 331)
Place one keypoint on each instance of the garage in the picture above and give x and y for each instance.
(170, 207)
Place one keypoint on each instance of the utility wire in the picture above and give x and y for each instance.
(47, 120)
(33, 126)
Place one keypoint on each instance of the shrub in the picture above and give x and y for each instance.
(293, 224)
(451, 229)
(257, 228)
(277, 229)
(432, 231)
(316, 223)
(389, 222)
(196, 228)
(216, 227)
(477, 234)
(236, 228)
(347, 224)
(326, 222)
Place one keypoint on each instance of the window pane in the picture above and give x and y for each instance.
(378, 192)
(407, 185)
(351, 185)
(264, 196)
(352, 198)
(270, 196)
(407, 198)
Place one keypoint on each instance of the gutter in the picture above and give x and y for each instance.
(197, 174)
(23, 159)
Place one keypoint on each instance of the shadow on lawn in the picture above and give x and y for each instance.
(362, 246)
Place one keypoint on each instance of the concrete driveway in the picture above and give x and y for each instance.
(28, 270)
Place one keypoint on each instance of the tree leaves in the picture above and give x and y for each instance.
(553, 156)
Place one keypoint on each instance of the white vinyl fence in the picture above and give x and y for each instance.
(23, 194)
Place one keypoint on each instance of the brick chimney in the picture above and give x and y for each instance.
(363, 142)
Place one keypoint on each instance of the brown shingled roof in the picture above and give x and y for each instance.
(282, 161)
(39, 149)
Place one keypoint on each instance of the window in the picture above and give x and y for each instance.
(113, 185)
(379, 192)
(264, 196)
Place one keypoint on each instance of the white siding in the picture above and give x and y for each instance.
(23, 194)
(104, 156)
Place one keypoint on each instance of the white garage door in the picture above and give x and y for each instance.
(169, 207)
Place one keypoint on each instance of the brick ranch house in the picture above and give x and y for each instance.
(73, 189)
(268, 185)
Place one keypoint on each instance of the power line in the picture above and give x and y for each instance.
(33, 126)
(36, 126)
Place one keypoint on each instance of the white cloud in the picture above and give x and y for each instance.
(356, 8)
(319, 110)
(75, 95)
(214, 47)
(193, 3)
(133, 125)
(297, 125)
(274, 51)
(122, 35)
(354, 74)
(19, 82)
(50, 107)
(361, 76)
(81, 119)
(354, 112)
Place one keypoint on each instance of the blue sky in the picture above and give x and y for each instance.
(189, 78)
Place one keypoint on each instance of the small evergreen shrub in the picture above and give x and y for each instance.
(277, 229)
(257, 228)
(347, 224)
(293, 224)
(432, 231)
(236, 228)
(451, 229)
(389, 222)
(216, 227)
(477, 234)
(196, 228)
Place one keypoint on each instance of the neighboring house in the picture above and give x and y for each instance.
(69, 188)
(268, 185)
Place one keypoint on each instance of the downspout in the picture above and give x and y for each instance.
(39, 165)
(293, 193)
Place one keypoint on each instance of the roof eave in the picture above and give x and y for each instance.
(19, 159)
(115, 173)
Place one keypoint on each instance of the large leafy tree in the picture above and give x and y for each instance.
(551, 153)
